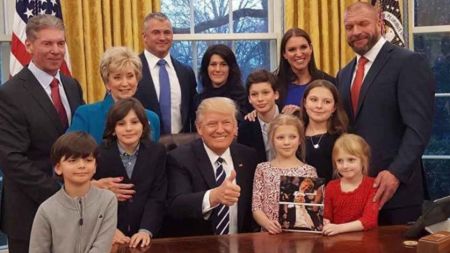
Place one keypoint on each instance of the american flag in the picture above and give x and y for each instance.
(392, 29)
(25, 9)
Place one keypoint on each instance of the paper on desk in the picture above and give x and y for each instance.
(441, 226)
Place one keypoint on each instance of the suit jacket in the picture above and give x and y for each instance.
(29, 125)
(146, 92)
(394, 116)
(146, 209)
(250, 135)
(92, 119)
(190, 175)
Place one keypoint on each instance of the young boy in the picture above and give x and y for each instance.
(262, 94)
(79, 217)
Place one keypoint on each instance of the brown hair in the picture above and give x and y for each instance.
(354, 145)
(119, 111)
(338, 122)
(73, 145)
(288, 120)
(261, 76)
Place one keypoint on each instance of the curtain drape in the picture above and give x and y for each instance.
(323, 20)
(93, 26)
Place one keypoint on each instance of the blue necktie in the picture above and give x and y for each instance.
(164, 97)
(221, 219)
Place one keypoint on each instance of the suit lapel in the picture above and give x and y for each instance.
(71, 93)
(204, 164)
(239, 165)
(34, 88)
(375, 69)
(347, 74)
(184, 90)
(148, 80)
(258, 137)
(141, 168)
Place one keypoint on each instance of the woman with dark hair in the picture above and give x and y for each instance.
(220, 76)
(128, 153)
(296, 69)
(325, 120)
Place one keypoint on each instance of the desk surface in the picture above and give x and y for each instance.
(383, 239)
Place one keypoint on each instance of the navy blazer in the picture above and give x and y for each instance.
(250, 135)
(92, 118)
(29, 125)
(394, 116)
(146, 209)
(146, 92)
(190, 175)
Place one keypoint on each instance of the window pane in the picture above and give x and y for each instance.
(250, 16)
(431, 12)
(211, 16)
(438, 177)
(178, 12)
(4, 61)
(440, 139)
(436, 47)
(250, 54)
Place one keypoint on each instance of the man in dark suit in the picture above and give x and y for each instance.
(35, 109)
(167, 86)
(388, 93)
(211, 179)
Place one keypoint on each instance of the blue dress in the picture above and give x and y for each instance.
(92, 119)
(295, 94)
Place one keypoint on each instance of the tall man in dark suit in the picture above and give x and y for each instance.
(167, 86)
(211, 179)
(36, 106)
(388, 93)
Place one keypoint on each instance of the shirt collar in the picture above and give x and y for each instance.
(153, 60)
(43, 77)
(123, 152)
(373, 52)
(226, 156)
(261, 122)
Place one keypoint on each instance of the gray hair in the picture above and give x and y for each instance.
(154, 15)
(41, 22)
(117, 58)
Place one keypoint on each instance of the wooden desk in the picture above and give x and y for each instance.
(383, 239)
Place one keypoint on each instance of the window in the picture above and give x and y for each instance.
(250, 27)
(430, 33)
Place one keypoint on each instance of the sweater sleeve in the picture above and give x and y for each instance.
(258, 188)
(41, 233)
(369, 217)
(103, 242)
(328, 205)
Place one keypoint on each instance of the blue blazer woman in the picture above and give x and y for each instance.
(92, 119)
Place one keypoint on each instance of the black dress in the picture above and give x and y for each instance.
(320, 156)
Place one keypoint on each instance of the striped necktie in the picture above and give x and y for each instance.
(221, 214)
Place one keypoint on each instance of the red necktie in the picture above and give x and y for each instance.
(357, 83)
(56, 98)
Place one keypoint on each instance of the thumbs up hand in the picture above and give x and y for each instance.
(227, 193)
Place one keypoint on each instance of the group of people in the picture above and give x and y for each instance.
(228, 180)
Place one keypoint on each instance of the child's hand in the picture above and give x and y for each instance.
(123, 191)
(331, 229)
(290, 109)
(251, 116)
(273, 227)
(140, 237)
(120, 238)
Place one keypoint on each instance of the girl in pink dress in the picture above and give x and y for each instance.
(349, 204)
(286, 135)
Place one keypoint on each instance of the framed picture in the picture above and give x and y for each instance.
(301, 204)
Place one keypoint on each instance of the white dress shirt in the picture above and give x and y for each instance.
(175, 88)
(370, 56)
(44, 80)
(227, 167)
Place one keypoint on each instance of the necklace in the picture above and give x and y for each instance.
(316, 145)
